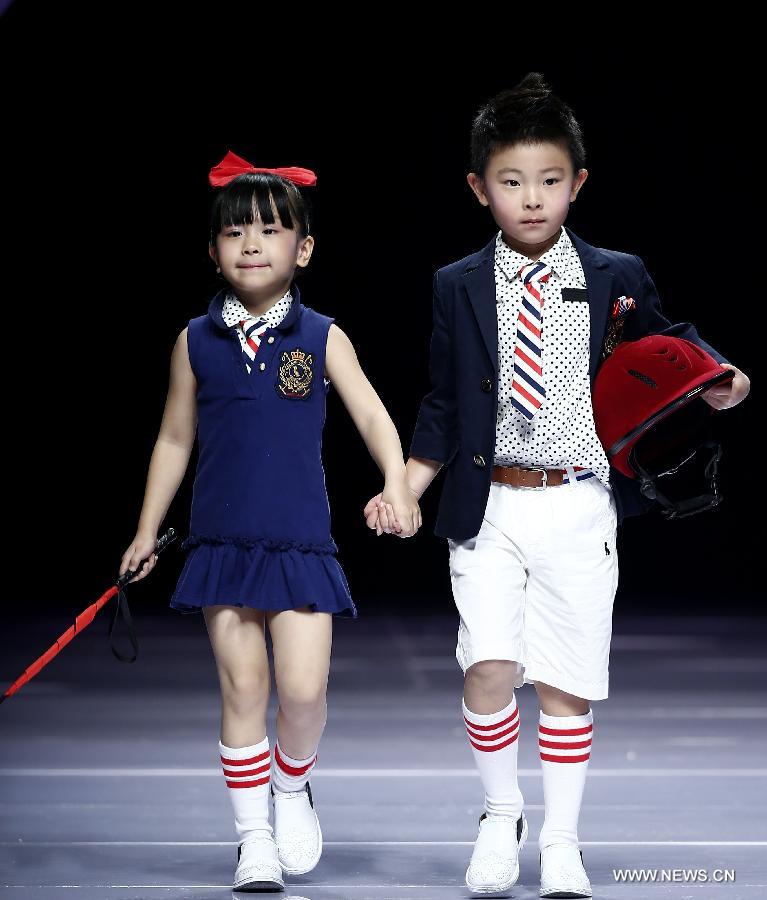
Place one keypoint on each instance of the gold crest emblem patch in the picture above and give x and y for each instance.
(295, 374)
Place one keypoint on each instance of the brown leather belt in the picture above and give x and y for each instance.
(528, 477)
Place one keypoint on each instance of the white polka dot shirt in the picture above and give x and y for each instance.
(234, 312)
(562, 432)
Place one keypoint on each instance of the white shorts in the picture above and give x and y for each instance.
(536, 585)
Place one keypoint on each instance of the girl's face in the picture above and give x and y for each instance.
(259, 260)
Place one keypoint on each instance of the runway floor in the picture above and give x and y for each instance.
(110, 785)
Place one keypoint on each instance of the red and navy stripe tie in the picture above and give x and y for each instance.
(527, 388)
(252, 328)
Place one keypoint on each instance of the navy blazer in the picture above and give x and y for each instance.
(456, 423)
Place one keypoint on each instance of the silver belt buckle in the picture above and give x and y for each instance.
(536, 487)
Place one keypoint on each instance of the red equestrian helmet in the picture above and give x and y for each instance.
(649, 415)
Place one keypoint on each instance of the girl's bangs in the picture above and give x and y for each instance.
(240, 199)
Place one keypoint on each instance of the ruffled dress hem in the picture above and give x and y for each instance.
(264, 574)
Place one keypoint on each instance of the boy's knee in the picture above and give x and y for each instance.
(556, 702)
(494, 677)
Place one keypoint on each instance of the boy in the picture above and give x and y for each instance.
(518, 331)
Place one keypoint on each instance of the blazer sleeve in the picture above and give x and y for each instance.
(649, 319)
(436, 435)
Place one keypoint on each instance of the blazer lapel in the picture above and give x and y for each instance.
(599, 284)
(479, 280)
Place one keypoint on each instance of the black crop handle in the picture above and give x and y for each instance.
(167, 538)
(122, 602)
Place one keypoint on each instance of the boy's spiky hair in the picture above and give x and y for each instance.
(528, 113)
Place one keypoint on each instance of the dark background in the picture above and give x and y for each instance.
(106, 200)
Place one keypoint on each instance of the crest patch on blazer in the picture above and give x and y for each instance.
(295, 374)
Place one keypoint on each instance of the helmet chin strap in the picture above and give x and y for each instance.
(681, 508)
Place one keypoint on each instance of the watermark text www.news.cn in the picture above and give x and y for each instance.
(701, 876)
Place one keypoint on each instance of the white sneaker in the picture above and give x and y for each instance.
(297, 830)
(258, 868)
(494, 865)
(562, 872)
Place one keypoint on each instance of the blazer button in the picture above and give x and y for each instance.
(479, 461)
(262, 366)
(271, 339)
(487, 384)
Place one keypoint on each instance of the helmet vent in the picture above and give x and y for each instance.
(643, 377)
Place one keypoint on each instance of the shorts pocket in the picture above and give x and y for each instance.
(602, 505)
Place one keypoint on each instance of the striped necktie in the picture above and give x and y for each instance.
(527, 390)
(252, 328)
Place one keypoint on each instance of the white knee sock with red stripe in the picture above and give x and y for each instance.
(246, 770)
(565, 746)
(493, 740)
(290, 774)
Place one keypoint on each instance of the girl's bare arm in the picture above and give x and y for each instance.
(170, 457)
(373, 423)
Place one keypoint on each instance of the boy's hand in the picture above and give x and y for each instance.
(372, 519)
(722, 396)
(143, 546)
(376, 514)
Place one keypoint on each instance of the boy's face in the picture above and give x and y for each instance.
(529, 189)
(259, 260)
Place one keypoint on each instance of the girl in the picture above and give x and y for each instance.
(251, 376)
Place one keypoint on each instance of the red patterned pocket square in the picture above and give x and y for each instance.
(619, 311)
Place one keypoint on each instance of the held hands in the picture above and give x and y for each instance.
(394, 511)
(143, 545)
(730, 394)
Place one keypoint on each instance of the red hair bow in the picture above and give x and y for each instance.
(232, 165)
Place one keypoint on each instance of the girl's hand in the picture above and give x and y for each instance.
(143, 545)
(381, 516)
(399, 514)
(721, 396)
(407, 513)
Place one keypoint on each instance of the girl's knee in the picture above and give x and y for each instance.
(301, 698)
(245, 689)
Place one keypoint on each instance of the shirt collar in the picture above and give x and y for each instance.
(234, 311)
(216, 308)
(511, 261)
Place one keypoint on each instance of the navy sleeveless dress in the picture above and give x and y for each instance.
(259, 533)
